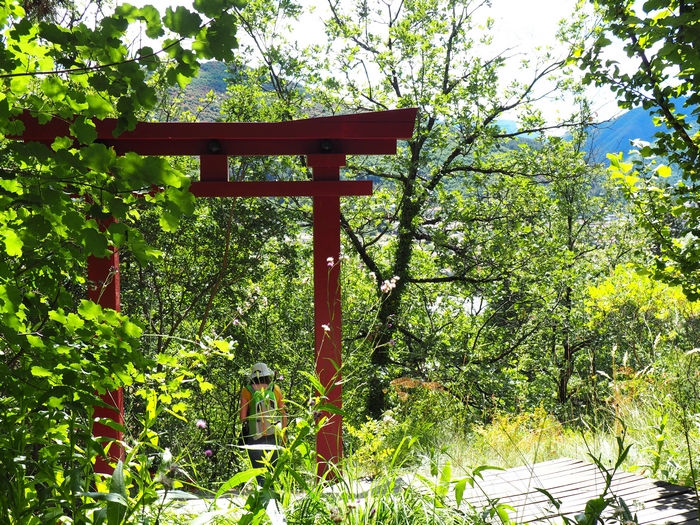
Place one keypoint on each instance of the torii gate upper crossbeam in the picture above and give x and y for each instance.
(325, 142)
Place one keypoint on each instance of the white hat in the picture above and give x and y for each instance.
(259, 370)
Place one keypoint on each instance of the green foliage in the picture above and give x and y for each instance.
(427, 410)
(660, 36)
(476, 280)
(644, 319)
(465, 219)
(61, 202)
(375, 446)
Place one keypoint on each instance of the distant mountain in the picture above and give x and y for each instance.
(213, 76)
(509, 126)
(616, 135)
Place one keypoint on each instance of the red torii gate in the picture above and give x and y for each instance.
(325, 141)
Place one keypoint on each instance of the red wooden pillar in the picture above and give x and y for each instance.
(103, 289)
(327, 323)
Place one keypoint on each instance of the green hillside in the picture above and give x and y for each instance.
(213, 77)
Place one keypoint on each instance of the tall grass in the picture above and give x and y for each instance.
(662, 427)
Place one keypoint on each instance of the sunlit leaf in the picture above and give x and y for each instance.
(38, 371)
(83, 130)
(13, 243)
(182, 21)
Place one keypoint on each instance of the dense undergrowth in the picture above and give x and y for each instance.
(410, 466)
(649, 425)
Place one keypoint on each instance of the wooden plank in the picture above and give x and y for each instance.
(537, 475)
(249, 147)
(572, 495)
(588, 479)
(553, 470)
(574, 502)
(574, 483)
(672, 505)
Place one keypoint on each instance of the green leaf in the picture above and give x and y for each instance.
(94, 242)
(622, 455)
(148, 58)
(13, 244)
(20, 85)
(11, 298)
(175, 414)
(652, 5)
(11, 185)
(54, 88)
(154, 27)
(153, 170)
(502, 511)
(119, 233)
(168, 222)
(445, 478)
(36, 341)
(211, 8)
(218, 39)
(128, 11)
(56, 402)
(175, 77)
(239, 479)
(460, 487)
(98, 157)
(182, 21)
(595, 507)
(478, 470)
(132, 329)
(663, 171)
(116, 509)
(179, 202)
(142, 250)
(179, 407)
(98, 106)
(74, 322)
(38, 371)
(105, 496)
(205, 386)
(555, 502)
(54, 33)
(60, 143)
(83, 130)
(90, 310)
(96, 211)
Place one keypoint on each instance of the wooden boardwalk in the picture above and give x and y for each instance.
(574, 482)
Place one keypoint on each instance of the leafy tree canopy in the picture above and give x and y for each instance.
(56, 348)
(458, 216)
(660, 36)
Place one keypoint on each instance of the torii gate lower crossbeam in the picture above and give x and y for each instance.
(325, 142)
